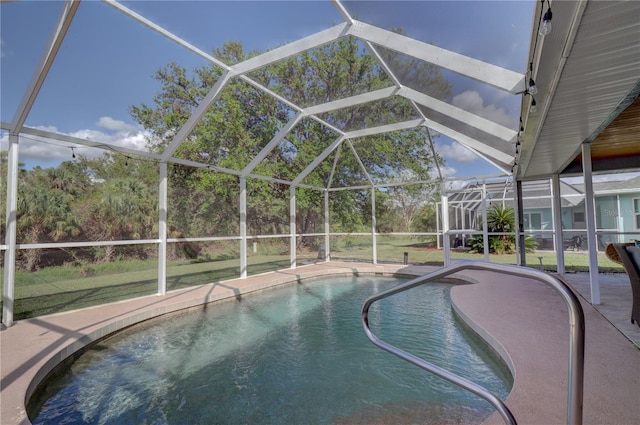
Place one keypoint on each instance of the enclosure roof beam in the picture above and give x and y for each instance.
(271, 145)
(329, 126)
(238, 173)
(338, 189)
(290, 104)
(334, 166)
(497, 130)
(160, 30)
(490, 127)
(387, 69)
(470, 142)
(342, 10)
(46, 61)
(403, 183)
(197, 164)
(484, 72)
(317, 161)
(294, 48)
(44, 134)
(362, 167)
(384, 129)
(351, 101)
(490, 160)
(196, 115)
(433, 151)
(418, 97)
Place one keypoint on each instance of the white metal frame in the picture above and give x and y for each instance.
(370, 35)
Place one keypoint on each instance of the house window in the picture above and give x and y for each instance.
(636, 212)
(533, 221)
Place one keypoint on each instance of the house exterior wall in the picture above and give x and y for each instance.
(629, 214)
(606, 212)
(615, 213)
(608, 218)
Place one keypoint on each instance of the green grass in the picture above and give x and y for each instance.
(391, 249)
(57, 289)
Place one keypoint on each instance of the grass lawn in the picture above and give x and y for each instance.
(391, 249)
(56, 289)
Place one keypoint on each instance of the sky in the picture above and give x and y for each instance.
(107, 60)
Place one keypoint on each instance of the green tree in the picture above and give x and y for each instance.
(243, 120)
(122, 211)
(408, 200)
(45, 207)
(122, 203)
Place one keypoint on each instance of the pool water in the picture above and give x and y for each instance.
(291, 355)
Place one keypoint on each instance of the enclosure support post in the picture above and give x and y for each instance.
(292, 227)
(590, 214)
(520, 245)
(438, 225)
(456, 223)
(556, 202)
(327, 248)
(162, 230)
(619, 221)
(485, 226)
(463, 225)
(243, 228)
(8, 291)
(373, 226)
(446, 243)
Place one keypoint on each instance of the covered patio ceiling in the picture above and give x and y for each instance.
(588, 74)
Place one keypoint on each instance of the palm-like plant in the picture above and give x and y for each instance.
(44, 212)
(122, 209)
(501, 220)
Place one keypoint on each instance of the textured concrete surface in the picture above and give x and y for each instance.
(530, 322)
(524, 320)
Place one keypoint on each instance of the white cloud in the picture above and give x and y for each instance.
(115, 125)
(134, 140)
(446, 172)
(35, 149)
(471, 101)
(456, 152)
(124, 139)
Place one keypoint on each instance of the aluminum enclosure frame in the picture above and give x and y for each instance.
(491, 75)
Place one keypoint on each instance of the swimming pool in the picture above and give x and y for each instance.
(292, 355)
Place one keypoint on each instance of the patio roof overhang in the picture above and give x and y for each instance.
(588, 74)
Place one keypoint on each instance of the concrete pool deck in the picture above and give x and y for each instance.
(526, 321)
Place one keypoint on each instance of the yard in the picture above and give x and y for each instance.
(55, 289)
